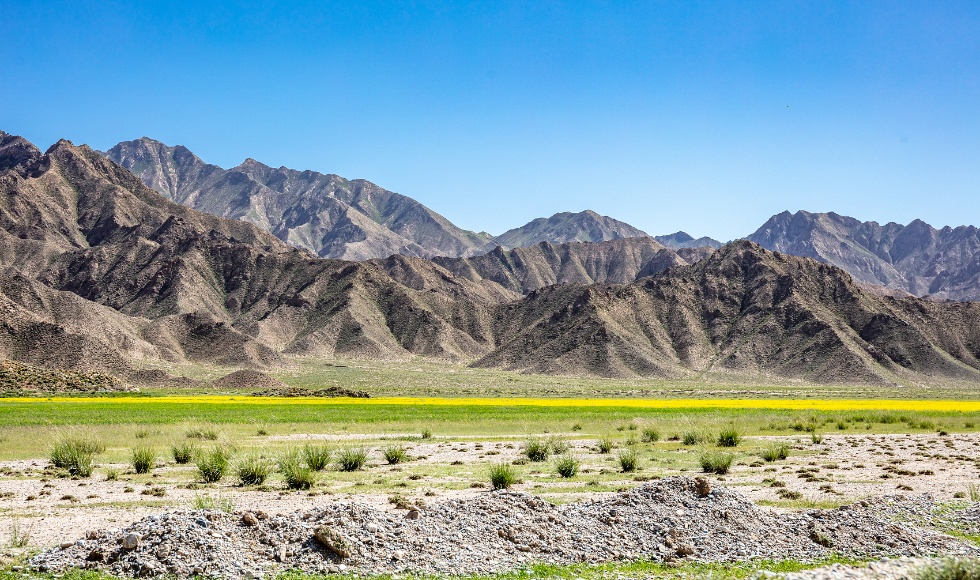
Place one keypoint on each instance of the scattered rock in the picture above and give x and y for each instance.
(333, 541)
(130, 542)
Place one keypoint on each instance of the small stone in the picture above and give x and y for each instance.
(332, 540)
(66, 545)
(413, 514)
(249, 519)
(91, 535)
(398, 555)
(702, 486)
(685, 550)
(372, 527)
(130, 542)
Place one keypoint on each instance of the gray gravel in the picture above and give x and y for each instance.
(664, 520)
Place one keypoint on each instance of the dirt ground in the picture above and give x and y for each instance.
(38, 509)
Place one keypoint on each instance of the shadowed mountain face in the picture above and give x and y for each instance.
(328, 215)
(544, 264)
(97, 271)
(916, 258)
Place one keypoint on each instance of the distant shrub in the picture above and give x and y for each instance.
(143, 458)
(558, 445)
(536, 449)
(629, 461)
(816, 437)
(502, 475)
(76, 455)
(183, 452)
(650, 435)
(606, 444)
(317, 457)
(566, 466)
(577, 427)
(212, 465)
(351, 458)
(716, 462)
(729, 438)
(775, 452)
(253, 470)
(694, 437)
(395, 454)
(204, 434)
(426, 433)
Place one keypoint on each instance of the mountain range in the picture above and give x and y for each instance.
(333, 217)
(98, 271)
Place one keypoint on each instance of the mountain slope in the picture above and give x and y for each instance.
(78, 223)
(916, 258)
(586, 226)
(98, 271)
(680, 240)
(328, 215)
(544, 264)
(743, 310)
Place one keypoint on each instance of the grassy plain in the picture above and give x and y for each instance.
(455, 421)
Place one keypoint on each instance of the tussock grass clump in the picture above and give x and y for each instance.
(716, 462)
(143, 458)
(694, 437)
(213, 502)
(295, 474)
(204, 434)
(183, 452)
(536, 449)
(950, 569)
(395, 454)
(775, 452)
(558, 445)
(650, 435)
(729, 437)
(605, 445)
(426, 433)
(76, 455)
(253, 470)
(816, 437)
(212, 465)
(502, 475)
(351, 458)
(974, 492)
(317, 457)
(566, 466)
(629, 460)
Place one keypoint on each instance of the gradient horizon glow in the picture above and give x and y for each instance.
(707, 117)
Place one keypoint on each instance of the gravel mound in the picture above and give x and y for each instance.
(17, 378)
(248, 379)
(664, 520)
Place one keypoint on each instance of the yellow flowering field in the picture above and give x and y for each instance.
(783, 404)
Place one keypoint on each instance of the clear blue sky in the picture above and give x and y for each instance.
(702, 116)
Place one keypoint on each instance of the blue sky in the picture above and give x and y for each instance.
(702, 116)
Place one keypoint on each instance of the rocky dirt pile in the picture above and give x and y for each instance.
(22, 379)
(300, 392)
(664, 520)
